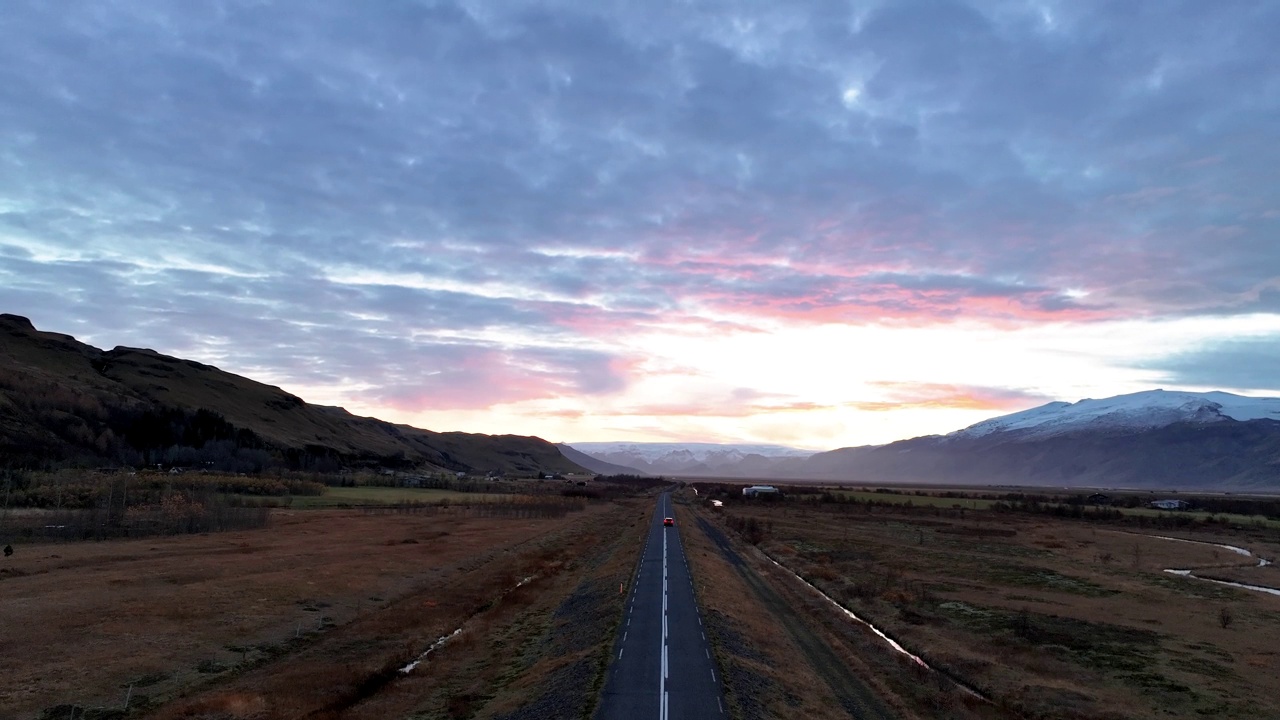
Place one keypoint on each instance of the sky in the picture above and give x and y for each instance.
(814, 224)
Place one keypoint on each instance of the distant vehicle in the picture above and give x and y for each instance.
(669, 522)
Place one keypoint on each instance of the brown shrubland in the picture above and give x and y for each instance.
(313, 615)
(1048, 617)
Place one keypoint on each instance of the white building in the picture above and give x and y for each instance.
(755, 490)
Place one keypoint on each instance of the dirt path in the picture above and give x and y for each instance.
(854, 695)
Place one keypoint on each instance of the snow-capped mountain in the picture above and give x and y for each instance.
(1134, 412)
(1148, 439)
(691, 458)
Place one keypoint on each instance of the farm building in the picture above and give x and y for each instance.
(755, 490)
(1169, 504)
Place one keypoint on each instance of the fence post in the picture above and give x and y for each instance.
(127, 696)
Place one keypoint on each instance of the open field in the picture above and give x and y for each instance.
(787, 652)
(1047, 617)
(315, 613)
(373, 495)
(971, 503)
(984, 497)
(910, 487)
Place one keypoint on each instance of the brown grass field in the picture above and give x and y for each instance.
(1048, 618)
(311, 616)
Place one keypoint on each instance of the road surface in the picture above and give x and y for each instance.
(662, 665)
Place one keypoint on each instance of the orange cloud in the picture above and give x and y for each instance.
(725, 408)
(936, 396)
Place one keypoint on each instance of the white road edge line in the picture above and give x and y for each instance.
(662, 676)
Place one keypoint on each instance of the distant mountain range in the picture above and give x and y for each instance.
(65, 402)
(702, 459)
(1158, 439)
(597, 465)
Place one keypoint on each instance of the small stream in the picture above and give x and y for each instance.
(1262, 562)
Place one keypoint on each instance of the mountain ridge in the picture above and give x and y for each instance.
(1154, 438)
(698, 459)
(65, 401)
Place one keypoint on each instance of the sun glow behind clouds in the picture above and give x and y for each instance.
(829, 386)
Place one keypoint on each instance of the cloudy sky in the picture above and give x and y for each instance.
(818, 224)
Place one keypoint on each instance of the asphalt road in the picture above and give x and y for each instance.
(662, 665)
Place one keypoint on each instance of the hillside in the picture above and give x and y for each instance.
(596, 465)
(62, 401)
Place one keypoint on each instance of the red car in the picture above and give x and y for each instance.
(669, 522)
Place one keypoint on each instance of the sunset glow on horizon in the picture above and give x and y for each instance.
(812, 224)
